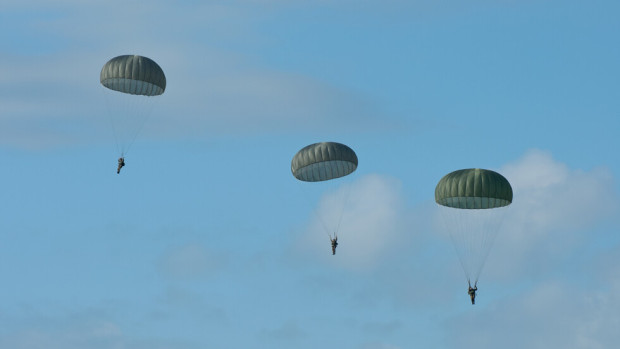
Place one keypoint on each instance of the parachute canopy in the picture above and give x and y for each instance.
(323, 161)
(473, 188)
(133, 74)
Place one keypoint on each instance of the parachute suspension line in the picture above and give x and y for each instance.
(459, 255)
(133, 138)
(476, 244)
(485, 245)
(469, 239)
(110, 111)
(314, 209)
(138, 112)
(472, 234)
(491, 228)
(128, 115)
(480, 245)
(141, 123)
(477, 235)
(451, 223)
(323, 224)
(116, 141)
(347, 191)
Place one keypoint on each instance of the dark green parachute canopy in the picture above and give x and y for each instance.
(134, 75)
(473, 188)
(323, 161)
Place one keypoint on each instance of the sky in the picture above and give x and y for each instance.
(206, 240)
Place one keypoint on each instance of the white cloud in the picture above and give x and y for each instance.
(553, 210)
(550, 196)
(372, 221)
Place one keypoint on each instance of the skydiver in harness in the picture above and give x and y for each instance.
(472, 292)
(334, 243)
(121, 163)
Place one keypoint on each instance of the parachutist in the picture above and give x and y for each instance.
(121, 163)
(334, 243)
(325, 161)
(465, 194)
(472, 292)
(135, 76)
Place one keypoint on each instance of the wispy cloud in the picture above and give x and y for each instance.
(216, 84)
(382, 327)
(289, 331)
(92, 329)
(190, 261)
(376, 345)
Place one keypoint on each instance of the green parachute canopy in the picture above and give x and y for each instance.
(133, 74)
(323, 161)
(473, 188)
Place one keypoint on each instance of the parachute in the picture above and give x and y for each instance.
(130, 80)
(325, 162)
(472, 204)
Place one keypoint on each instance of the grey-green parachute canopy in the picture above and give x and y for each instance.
(323, 161)
(133, 74)
(473, 188)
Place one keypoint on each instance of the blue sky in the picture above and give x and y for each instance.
(206, 240)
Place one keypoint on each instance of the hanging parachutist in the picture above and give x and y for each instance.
(472, 292)
(334, 243)
(121, 163)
